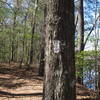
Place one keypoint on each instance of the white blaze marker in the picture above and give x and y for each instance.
(56, 46)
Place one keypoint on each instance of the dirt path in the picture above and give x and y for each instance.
(19, 84)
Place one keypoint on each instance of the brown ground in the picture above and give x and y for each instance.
(20, 84)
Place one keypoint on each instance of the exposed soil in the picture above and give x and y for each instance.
(20, 84)
(84, 93)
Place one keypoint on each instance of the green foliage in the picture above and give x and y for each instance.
(37, 36)
(16, 29)
(86, 60)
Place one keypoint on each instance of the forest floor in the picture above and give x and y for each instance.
(20, 84)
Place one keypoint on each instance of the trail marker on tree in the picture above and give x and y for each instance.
(56, 46)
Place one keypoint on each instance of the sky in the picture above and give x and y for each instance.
(90, 44)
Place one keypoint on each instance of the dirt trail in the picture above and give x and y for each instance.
(20, 84)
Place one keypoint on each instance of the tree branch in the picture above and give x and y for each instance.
(76, 21)
(7, 5)
(91, 31)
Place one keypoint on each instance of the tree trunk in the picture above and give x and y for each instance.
(81, 34)
(60, 63)
(33, 30)
(13, 39)
(42, 57)
(98, 88)
(31, 50)
(42, 63)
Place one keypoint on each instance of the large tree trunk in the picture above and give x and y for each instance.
(60, 65)
(81, 35)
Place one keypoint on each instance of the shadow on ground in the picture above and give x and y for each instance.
(18, 82)
(8, 94)
(14, 70)
(13, 78)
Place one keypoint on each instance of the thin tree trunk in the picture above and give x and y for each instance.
(13, 38)
(42, 63)
(22, 57)
(33, 30)
(98, 94)
(42, 57)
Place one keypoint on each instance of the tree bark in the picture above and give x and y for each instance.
(59, 52)
(42, 63)
(81, 25)
(81, 35)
